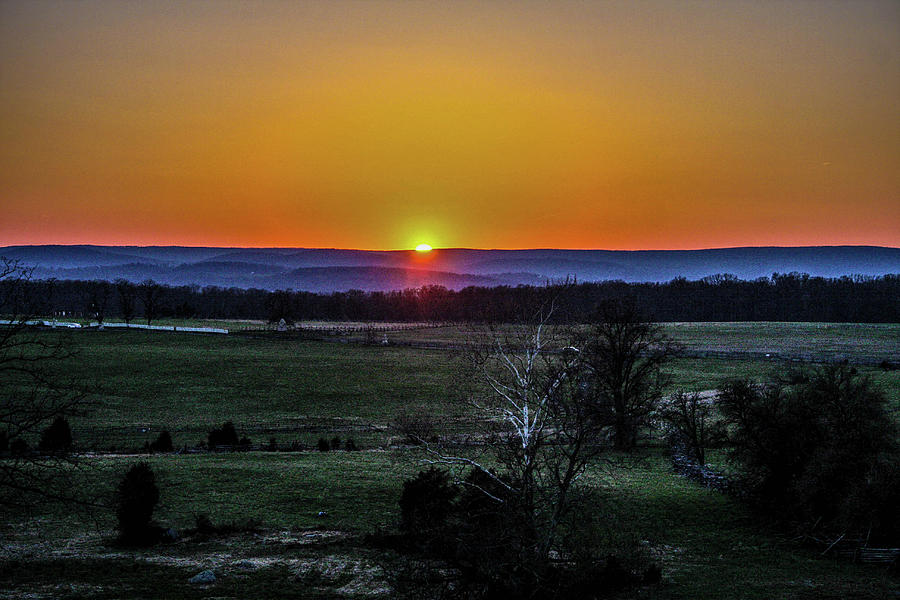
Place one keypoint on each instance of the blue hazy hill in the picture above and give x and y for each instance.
(326, 270)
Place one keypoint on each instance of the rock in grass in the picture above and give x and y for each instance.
(204, 577)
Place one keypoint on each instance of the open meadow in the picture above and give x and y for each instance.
(295, 523)
(289, 388)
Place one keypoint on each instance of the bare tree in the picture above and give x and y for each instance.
(98, 299)
(624, 353)
(126, 293)
(691, 421)
(542, 438)
(32, 397)
(281, 304)
(151, 294)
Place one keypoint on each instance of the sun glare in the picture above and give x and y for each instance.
(423, 248)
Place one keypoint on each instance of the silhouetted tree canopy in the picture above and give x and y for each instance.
(135, 500)
(35, 398)
(781, 297)
(820, 450)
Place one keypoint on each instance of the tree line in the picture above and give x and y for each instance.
(781, 297)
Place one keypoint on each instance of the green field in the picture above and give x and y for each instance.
(292, 389)
(854, 341)
(861, 342)
(268, 387)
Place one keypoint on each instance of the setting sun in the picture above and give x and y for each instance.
(423, 248)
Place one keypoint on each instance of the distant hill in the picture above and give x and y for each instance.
(326, 270)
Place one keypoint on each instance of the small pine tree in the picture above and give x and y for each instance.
(324, 446)
(335, 443)
(163, 443)
(426, 501)
(57, 437)
(226, 435)
(136, 498)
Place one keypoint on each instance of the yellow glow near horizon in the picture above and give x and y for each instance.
(423, 248)
(372, 125)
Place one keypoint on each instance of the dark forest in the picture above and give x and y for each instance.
(781, 297)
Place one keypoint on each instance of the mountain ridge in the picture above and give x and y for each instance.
(335, 269)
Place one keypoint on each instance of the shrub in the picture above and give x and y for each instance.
(57, 437)
(497, 536)
(18, 446)
(426, 502)
(691, 423)
(163, 443)
(4, 441)
(417, 428)
(226, 435)
(136, 498)
(821, 452)
(335, 443)
(203, 524)
(350, 445)
(482, 529)
(324, 446)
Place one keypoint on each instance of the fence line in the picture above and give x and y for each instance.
(96, 325)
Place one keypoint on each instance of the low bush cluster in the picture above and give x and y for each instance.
(324, 445)
(479, 528)
(226, 435)
(417, 428)
(820, 451)
(15, 446)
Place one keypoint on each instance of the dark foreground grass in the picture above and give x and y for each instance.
(709, 545)
(357, 490)
(118, 578)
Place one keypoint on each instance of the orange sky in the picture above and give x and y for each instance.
(496, 125)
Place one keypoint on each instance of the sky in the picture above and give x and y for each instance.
(383, 125)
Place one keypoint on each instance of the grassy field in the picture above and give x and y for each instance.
(269, 387)
(709, 545)
(871, 342)
(854, 341)
(292, 389)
